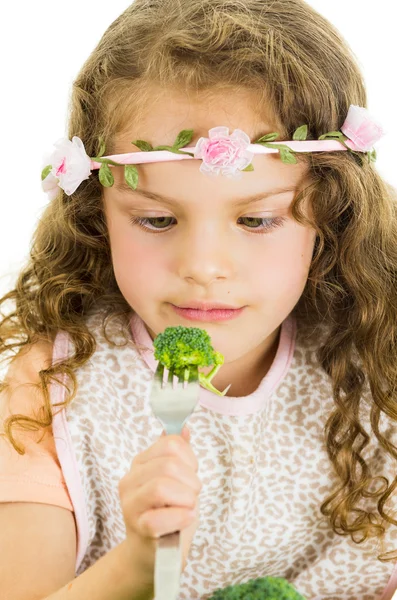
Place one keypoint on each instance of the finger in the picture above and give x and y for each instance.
(160, 493)
(155, 523)
(171, 467)
(185, 433)
(169, 445)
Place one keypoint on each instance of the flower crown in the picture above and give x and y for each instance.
(230, 155)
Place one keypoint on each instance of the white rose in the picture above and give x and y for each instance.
(50, 185)
(70, 166)
(361, 128)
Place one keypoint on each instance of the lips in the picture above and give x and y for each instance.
(207, 306)
(212, 314)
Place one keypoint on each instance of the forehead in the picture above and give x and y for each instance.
(170, 111)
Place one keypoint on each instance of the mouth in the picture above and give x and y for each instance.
(222, 313)
(199, 305)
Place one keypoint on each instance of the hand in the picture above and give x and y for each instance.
(157, 494)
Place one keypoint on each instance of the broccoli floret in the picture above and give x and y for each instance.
(179, 348)
(264, 588)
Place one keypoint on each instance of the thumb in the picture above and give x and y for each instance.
(186, 433)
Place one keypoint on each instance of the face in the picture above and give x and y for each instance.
(204, 243)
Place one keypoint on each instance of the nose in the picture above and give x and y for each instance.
(205, 254)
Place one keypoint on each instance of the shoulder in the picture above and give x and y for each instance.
(19, 391)
(29, 361)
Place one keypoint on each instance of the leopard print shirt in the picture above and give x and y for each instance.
(263, 465)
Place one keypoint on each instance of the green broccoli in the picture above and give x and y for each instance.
(265, 588)
(179, 348)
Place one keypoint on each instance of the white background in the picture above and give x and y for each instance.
(43, 44)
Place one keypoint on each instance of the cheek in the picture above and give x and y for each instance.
(285, 264)
(136, 265)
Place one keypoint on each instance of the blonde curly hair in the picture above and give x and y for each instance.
(298, 63)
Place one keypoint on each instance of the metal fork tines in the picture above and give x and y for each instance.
(172, 404)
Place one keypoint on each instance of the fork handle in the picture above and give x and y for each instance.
(175, 427)
(168, 567)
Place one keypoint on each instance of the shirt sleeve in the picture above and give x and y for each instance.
(36, 475)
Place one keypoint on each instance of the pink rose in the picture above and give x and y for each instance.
(224, 154)
(70, 166)
(361, 128)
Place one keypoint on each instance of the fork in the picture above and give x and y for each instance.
(172, 405)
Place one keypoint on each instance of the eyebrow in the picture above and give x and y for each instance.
(124, 187)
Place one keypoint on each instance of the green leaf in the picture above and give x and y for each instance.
(102, 147)
(183, 139)
(144, 146)
(287, 157)
(300, 133)
(176, 151)
(373, 156)
(270, 137)
(336, 136)
(170, 148)
(249, 168)
(45, 172)
(131, 176)
(331, 134)
(106, 175)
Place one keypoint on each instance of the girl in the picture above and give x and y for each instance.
(291, 473)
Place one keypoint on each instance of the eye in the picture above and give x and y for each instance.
(263, 224)
(260, 224)
(162, 222)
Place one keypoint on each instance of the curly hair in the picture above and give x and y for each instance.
(298, 65)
